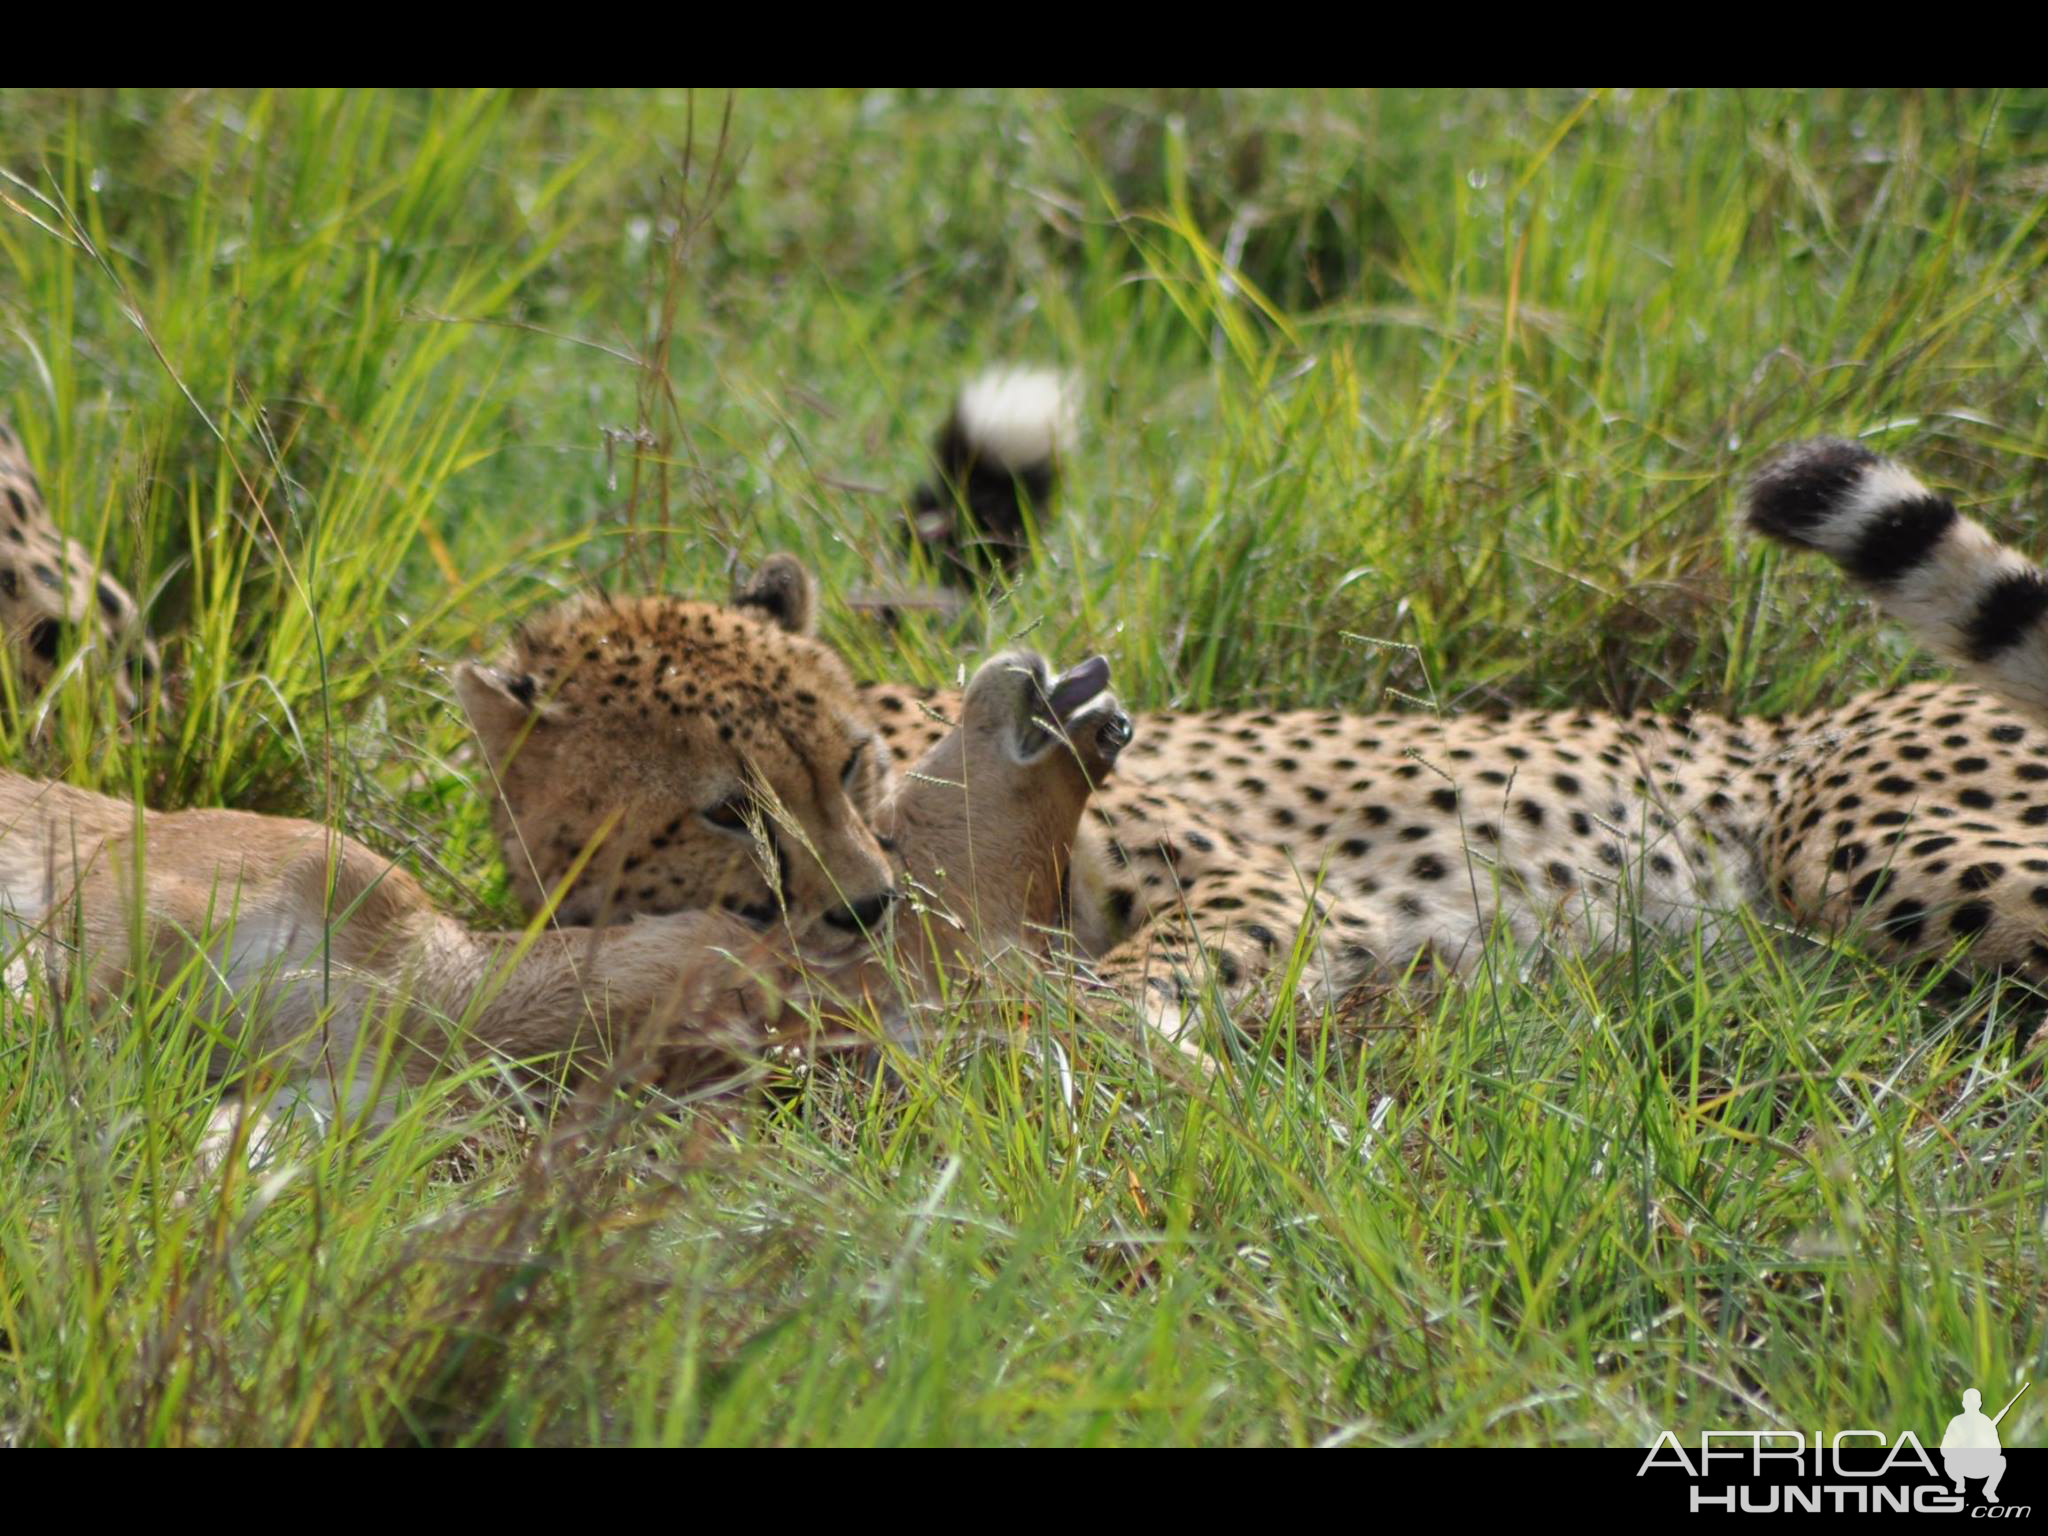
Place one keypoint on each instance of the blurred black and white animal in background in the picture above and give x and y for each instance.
(995, 465)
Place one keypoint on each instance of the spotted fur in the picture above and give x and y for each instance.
(54, 603)
(694, 755)
(1917, 818)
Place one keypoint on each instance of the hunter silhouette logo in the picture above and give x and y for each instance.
(1969, 1446)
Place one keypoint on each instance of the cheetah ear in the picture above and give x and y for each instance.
(501, 705)
(785, 594)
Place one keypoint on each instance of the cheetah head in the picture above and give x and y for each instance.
(652, 755)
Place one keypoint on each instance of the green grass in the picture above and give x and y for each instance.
(1425, 398)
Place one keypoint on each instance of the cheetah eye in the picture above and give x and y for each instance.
(729, 815)
(853, 762)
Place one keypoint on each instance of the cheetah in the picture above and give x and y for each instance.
(53, 603)
(1234, 849)
(307, 936)
(1916, 817)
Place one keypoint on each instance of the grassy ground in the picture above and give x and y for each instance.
(1435, 399)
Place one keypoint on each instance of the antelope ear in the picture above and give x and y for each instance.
(502, 706)
(785, 594)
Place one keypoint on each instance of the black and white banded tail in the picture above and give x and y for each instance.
(1961, 593)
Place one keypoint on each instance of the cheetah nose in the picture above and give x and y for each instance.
(858, 916)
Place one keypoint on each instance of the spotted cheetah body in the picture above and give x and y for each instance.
(1919, 816)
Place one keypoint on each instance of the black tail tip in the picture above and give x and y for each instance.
(1804, 484)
